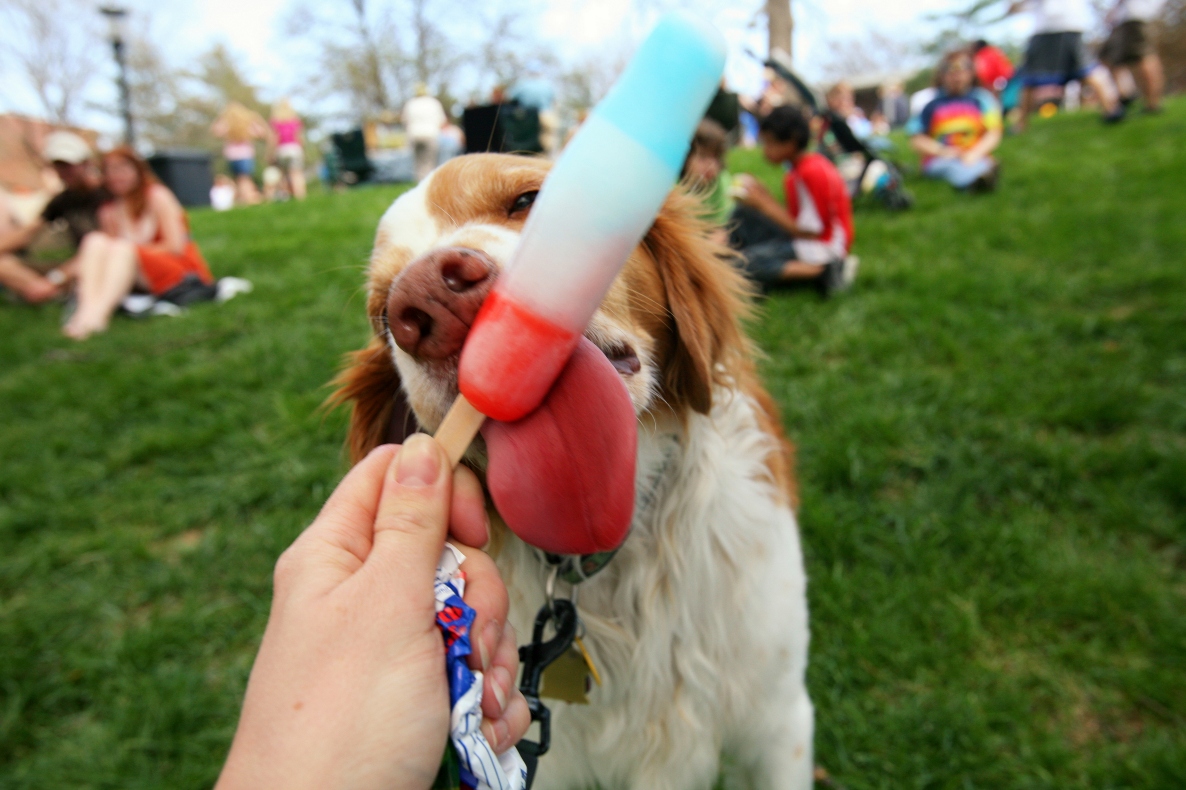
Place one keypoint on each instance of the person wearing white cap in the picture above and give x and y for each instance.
(424, 117)
(69, 215)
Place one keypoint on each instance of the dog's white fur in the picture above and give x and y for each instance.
(699, 624)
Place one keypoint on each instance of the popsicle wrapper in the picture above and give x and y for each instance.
(480, 767)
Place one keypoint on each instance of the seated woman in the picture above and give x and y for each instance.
(143, 240)
(958, 130)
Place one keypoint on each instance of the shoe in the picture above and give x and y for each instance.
(1114, 117)
(230, 287)
(851, 264)
(837, 276)
(987, 182)
(137, 305)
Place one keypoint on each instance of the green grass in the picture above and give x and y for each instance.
(992, 439)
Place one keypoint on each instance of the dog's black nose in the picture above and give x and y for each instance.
(433, 301)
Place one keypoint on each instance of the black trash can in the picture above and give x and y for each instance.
(186, 172)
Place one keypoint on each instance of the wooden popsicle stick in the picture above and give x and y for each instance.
(459, 428)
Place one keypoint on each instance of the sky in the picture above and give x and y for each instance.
(254, 30)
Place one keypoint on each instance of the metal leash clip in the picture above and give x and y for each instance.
(535, 658)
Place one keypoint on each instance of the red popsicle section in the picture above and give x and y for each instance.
(511, 358)
(563, 477)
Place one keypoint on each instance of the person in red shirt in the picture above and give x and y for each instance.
(808, 240)
(993, 67)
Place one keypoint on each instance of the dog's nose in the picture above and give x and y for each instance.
(434, 300)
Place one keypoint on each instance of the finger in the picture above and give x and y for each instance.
(500, 678)
(410, 524)
(340, 537)
(468, 522)
(505, 732)
(487, 595)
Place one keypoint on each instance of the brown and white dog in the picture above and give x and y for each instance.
(699, 625)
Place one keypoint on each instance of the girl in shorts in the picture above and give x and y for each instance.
(287, 132)
(239, 128)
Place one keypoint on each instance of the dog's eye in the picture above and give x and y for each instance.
(522, 204)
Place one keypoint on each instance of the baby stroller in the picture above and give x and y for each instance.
(865, 170)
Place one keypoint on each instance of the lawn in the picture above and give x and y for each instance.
(992, 450)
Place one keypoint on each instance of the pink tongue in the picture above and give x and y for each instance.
(563, 476)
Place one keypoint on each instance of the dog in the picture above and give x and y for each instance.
(698, 626)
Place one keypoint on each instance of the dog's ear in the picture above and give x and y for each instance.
(706, 299)
(379, 411)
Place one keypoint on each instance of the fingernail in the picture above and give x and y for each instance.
(491, 635)
(498, 679)
(419, 462)
(496, 732)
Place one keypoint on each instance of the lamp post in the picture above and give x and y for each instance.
(115, 33)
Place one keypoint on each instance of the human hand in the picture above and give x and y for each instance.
(349, 687)
(970, 157)
(749, 191)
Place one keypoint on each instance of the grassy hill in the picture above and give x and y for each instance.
(992, 439)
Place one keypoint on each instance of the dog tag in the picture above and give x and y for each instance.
(580, 645)
(567, 678)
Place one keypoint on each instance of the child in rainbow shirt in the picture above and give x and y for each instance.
(958, 130)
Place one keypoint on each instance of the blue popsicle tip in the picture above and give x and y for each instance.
(667, 86)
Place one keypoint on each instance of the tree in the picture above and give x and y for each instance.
(875, 54)
(175, 107)
(506, 53)
(432, 60)
(780, 25)
(1172, 44)
(372, 63)
(586, 83)
(358, 61)
(55, 48)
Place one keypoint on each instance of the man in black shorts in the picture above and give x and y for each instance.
(1129, 47)
(34, 260)
(1055, 54)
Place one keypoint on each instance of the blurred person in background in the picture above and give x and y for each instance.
(807, 241)
(704, 174)
(958, 130)
(895, 107)
(288, 135)
(725, 110)
(424, 118)
(239, 128)
(535, 92)
(1129, 47)
(993, 67)
(36, 260)
(1055, 55)
(143, 241)
(222, 194)
(842, 105)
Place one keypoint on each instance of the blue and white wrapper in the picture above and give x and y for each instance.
(481, 769)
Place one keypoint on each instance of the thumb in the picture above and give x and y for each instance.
(413, 514)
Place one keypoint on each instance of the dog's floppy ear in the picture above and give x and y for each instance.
(706, 297)
(379, 410)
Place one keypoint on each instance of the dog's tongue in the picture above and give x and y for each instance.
(563, 476)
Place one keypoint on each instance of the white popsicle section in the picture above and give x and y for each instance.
(595, 207)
